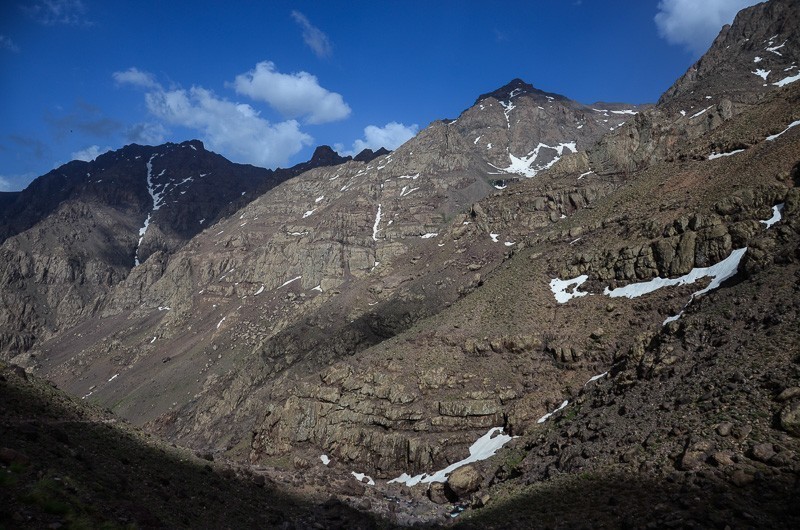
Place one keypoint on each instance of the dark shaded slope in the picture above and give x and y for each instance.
(66, 465)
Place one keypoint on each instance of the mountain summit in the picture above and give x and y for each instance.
(539, 311)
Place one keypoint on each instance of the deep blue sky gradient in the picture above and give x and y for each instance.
(411, 62)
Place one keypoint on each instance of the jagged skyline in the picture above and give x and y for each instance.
(265, 84)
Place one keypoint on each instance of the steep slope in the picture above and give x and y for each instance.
(321, 267)
(756, 55)
(80, 229)
(64, 464)
(386, 314)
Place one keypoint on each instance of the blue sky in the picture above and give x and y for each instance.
(264, 82)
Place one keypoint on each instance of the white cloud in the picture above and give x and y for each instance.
(313, 36)
(391, 136)
(8, 44)
(234, 129)
(694, 24)
(89, 154)
(293, 95)
(134, 76)
(5, 184)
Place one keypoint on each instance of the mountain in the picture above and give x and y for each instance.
(77, 231)
(614, 287)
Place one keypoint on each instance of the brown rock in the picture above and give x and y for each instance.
(789, 393)
(740, 478)
(439, 493)
(724, 428)
(465, 480)
(790, 418)
(721, 459)
(762, 452)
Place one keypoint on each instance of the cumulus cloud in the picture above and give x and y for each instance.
(391, 136)
(313, 36)
(134, 76)
(7, 44)
(90, 153)
(293, 95)
(694, 24)
(235, 129)
(58, 12)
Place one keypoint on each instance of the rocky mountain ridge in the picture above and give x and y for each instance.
(623, 301)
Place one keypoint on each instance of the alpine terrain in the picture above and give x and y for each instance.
(540, 313)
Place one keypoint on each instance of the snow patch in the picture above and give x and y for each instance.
(547, 416)
(560, 287)
(309, 212)
(325, 460)
(113, 377)
(777, 212)
(287, 282)
(595, 378)
(494, 237)
(701, 112)
(429, 235)
(757, 59)
(485, 447)
(714, 156)
(525, 165)
(375, 228)
(719, 273)
(762, 73)
(361, 476)
(260, 290)
(775, 136)
(786, 80)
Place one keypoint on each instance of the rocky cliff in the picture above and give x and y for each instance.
(614, 285)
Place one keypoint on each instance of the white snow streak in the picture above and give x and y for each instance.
(546, 416)
(287, 282)
(775, 136)
(325, 459)
(777, 210)
(701, 112)
(309, 212)
(785, 81)
(719, 273)
(494, 237)
(714, 156)
(429, 235)
(485, 447)
(375, 228)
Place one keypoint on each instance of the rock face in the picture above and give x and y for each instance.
(387, 312)
(80, 229)
(748, 61)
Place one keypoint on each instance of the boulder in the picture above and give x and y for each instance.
(465, 480)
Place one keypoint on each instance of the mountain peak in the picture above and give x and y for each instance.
(514, 88)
